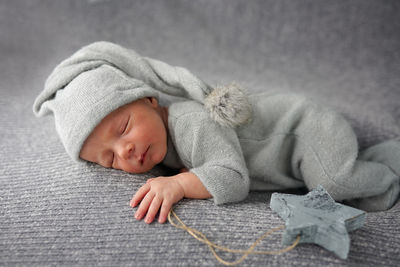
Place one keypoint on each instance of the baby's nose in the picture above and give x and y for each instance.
(127, 151)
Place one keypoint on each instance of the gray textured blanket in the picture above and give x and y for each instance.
(344, 54)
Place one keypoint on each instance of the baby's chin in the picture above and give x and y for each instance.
(142, 169)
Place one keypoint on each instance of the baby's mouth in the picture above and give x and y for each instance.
(142, 158)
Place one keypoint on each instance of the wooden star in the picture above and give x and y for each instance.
(318, 219)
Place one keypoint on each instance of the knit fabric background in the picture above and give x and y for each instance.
(343, 53)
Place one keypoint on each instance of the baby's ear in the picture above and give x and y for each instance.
(153, 101)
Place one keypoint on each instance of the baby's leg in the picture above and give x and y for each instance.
(326, 153)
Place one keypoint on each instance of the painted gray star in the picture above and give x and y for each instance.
(318, 219)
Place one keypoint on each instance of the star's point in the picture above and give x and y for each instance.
(318, 219)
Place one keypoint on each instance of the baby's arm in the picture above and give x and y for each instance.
(162, 192)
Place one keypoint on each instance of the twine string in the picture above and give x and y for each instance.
(202, 238)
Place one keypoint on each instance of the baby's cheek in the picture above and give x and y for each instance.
(159, 155)
(156, 158)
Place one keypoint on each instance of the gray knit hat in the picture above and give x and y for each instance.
(101, 77)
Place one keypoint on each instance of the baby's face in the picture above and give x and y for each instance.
(132, 138)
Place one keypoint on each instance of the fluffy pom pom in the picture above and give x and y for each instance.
(228, 105)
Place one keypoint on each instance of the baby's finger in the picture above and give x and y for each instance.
(144, 205)
(154, 207)
(139, 195)
(165, 207)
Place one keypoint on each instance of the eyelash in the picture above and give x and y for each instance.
(126, 125)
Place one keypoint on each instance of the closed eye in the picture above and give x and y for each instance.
(126, 125)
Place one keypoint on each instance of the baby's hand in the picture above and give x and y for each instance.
(161, 192)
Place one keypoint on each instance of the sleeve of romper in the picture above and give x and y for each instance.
(213, 154)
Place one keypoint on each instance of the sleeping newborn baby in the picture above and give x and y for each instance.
(105, 100)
